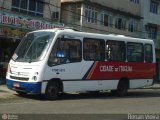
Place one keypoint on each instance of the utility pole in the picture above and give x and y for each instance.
(81, 19)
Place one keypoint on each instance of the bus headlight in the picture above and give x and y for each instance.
(34, 78)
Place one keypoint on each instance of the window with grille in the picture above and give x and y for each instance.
(135, 1)
(91, 14)
(154, 7)
(120, 23)
(29, 7)
(106, 19)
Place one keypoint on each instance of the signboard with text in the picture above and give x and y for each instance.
(17, 25)
(27, 22)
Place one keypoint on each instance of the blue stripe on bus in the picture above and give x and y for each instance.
(28, 87)
(85, 76)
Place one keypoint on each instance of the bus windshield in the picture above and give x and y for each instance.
(33, 46)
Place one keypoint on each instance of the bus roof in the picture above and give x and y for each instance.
(72, 32)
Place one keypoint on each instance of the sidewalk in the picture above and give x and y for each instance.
(154, 86)
(5, 93)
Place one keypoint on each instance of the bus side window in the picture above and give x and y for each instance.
(115, 50)
(148, 53)
(75, 51)
(93, 49)
(135, 52)
(65, 51)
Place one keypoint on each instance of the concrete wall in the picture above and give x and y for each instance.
(67, 13)
(122, 5)
(52, 6)
(150, 18)
(6, 4)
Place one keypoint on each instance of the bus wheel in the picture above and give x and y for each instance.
(52, 91)
(121, 89)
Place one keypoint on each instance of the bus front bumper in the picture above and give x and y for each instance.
(28, 87)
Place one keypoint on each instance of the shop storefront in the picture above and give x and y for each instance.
(12, 28)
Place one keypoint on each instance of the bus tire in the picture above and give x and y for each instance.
(121, 89)
(52, 91)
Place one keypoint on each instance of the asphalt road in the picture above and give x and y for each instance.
(145, 101)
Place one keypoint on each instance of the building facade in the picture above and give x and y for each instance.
(17, 17)
(103, 16)
(150, 11)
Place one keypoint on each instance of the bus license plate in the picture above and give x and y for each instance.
(16, 85)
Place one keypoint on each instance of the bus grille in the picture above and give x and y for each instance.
(19, 78)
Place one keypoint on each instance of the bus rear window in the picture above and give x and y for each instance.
(148, 53)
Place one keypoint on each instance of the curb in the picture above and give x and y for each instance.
(154, 86)
(150, 88)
